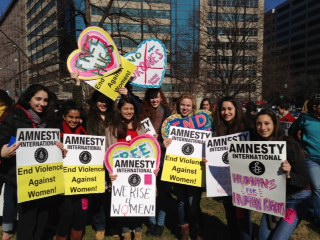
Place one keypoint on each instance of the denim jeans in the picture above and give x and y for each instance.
(295, 207)
(314, 173)
(9, 207)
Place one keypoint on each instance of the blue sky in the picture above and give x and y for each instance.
(269, 4)
(4, 4)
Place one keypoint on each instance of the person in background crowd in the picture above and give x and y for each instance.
(33, 110)
(297, 189)
(188, 197)
(72, 209)
(97, 119)
(124, 127)
(156, 109)
(305, 107)
(307, 129)
(206, 105)
(5, 103)
(230, 119)
(251, 112)
(285, 115)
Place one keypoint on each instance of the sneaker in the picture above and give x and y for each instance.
(100, 235)
(138, 236)
(158, 231)
(126, 236)
(150, 230)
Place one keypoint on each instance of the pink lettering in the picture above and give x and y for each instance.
(200, 120)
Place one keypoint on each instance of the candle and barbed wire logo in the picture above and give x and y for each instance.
(257, 168)
(134, 180)
(187, 149)
(225, 158)
(85, 157)
(41, 155)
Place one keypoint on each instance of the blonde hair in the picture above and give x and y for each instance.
(186, 96)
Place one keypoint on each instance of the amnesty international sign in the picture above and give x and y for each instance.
(83, 165)
(39, 164)
(184, 157)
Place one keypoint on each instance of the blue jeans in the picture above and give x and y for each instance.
(9, 207)
(314, 173)
(296, 205)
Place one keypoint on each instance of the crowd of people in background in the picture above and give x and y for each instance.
(120, 122)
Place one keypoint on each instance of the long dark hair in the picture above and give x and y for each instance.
(277, 134)
(238, 124)
(94, 112)
(48, 114)
(147, 110)
(210, 104)
(119, 126)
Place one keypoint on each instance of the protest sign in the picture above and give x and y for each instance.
(39, 164)
(83, 165)
(148, 127)
(183, 161)
(134, 191)
(257, 181)
(285, 126)
(201, 120)
(143, 146)
(151, 61)
(97, 55)
(217, 167)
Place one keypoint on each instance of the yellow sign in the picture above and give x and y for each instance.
(39, 181)
(110, 85)
(183, 170)
(84, 179)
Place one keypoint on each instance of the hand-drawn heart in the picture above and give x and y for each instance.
(97, 55)
(151, 61)
(143, 146)
(201, 120)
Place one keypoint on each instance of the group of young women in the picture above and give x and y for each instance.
(121, 123)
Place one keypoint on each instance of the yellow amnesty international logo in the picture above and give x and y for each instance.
(183, 170)
(84, 179)
(39, 181)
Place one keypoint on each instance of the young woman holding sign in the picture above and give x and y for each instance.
(35, 109)
(73, 209)
(297, 189)
(230, 119)
(155, 108)
(189, 197)
(124, 127)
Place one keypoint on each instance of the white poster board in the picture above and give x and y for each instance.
(218, 179)
(257, 180)
(148, 127)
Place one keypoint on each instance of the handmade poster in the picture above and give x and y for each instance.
(83, 165)
(201, 120)
(218, 179)
(148, 127)
(151, 61)
(96, 57)
(285, 126)
(134, 190)
(39, 164)
(184, 157)
(143, 146)
(257, 180)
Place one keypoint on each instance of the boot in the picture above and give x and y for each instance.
(100, 235)
(138, 235)
(60, 238)
(76, 235)
(185, 232)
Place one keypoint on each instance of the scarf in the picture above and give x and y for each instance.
(66, 129)
(36, 119)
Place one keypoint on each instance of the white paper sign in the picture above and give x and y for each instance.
(148, 127)
(134, 190)
(257, 181)
(217, 168)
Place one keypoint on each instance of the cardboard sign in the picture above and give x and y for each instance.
(183, 161)
(134, 191)
(83, 165)
(217, 167)
(151, 61)
(39, 164)
(97, 55)
(257, 180)
(148, 127)
(201, 120)
(143, 146)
